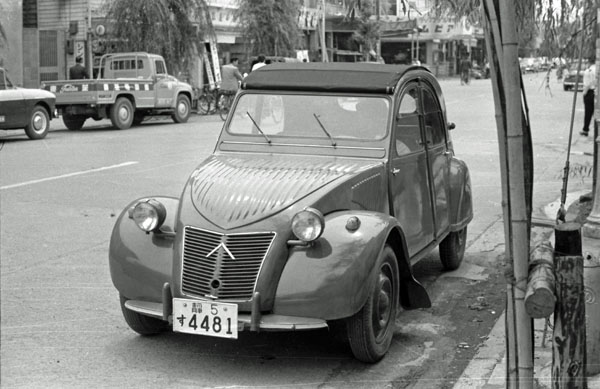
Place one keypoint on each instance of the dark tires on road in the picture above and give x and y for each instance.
(121, 113)
(143, 325)
(73, 122)
(370, 331)
(39, 123)
(452, 249)
(182, 109)
(138, 118)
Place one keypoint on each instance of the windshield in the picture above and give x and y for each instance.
(323, 116)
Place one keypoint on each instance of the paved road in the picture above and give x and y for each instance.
(61, 324)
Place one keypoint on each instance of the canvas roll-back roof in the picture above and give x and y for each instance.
(327, 77)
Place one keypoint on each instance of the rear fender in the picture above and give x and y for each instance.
(461, 202)
(140, 263)
(331, 279)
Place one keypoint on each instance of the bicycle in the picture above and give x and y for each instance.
(224, 103)
(207, 102)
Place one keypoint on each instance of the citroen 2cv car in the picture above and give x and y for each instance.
(328, 181)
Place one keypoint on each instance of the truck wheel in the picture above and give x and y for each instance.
(452, 249)
(73, 122)
(121, 113)
(182, 109)
(370, 331)
(143, 325)
(39, 123)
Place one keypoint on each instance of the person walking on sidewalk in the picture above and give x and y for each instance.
(589, 87)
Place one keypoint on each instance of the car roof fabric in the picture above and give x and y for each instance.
(327, 77)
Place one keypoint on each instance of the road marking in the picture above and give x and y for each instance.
(69, 175)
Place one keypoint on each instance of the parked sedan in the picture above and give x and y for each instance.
(31, 109)
(572, 77)
(327, 184)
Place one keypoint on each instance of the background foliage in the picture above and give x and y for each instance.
(171, 28)
(270, 27)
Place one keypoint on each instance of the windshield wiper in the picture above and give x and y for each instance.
(258, 128)
(325, 130)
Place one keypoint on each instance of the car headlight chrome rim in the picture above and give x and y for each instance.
(308, 224)
(149, 215)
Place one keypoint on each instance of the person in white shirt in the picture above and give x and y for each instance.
(260, 63)
(589, 87)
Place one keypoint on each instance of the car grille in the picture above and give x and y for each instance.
(208, 266)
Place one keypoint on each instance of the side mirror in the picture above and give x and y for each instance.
(451, 126)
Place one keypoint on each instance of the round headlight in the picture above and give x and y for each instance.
(308, 224)
(149, 215)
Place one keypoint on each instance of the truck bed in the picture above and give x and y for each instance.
(100, 91)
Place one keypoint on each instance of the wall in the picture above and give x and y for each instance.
(11, 55)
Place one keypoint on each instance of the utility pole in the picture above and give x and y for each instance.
(378, 18)
(324, 56)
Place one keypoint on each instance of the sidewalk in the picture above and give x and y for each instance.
(487, 369)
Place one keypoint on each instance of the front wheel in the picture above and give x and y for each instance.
(452, 249)
(73, 122)
(370, 331)
(39, 123)
(143, 325)
(182, 109)
(121, 113)
(225, 106)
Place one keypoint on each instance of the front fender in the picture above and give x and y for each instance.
(332, 278)
(141, 263)
(461, 202)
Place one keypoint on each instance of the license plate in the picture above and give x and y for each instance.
(2, 119)
(205, 318)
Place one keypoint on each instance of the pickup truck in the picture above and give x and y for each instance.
(129, 87)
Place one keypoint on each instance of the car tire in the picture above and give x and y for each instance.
(73, 122)
(452, 249)
(371, 329)
(121, 113)
(183, 108)
(39, 123)
(142, 324)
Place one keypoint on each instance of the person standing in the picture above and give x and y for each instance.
(465, 69)
(260, 63)
(589, 87)
(230, 77)
(78, 71)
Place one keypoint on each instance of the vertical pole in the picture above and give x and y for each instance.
(518, 240)
(591, 229)
(324, 55)
(89, 58)
(378, 17)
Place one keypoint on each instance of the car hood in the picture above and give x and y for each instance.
(31, 93)
(232, 191)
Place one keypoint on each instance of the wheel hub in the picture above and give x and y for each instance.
(123, 113)
(39, 122)
(382, 307)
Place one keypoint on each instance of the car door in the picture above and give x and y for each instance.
(409, 176)
(13, 110)
(164, 86)
(438, 156)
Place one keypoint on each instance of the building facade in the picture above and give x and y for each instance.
(46, 36)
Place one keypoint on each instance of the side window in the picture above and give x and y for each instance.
(434, 128)
(408, 131)
(160, 67)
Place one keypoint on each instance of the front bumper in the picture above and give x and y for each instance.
(254, 321)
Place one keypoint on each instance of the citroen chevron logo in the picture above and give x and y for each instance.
(224, 248)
